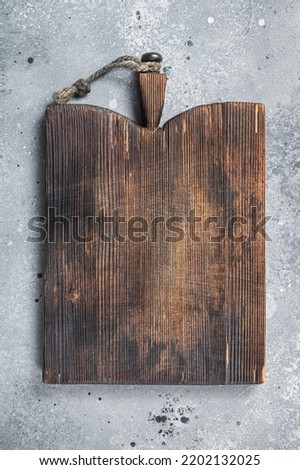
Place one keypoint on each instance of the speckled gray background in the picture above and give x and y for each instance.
(214, 50)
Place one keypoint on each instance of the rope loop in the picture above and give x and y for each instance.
(82, 86)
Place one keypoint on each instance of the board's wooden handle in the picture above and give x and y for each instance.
(152, 87)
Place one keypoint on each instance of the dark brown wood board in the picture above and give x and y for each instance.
(175, 294)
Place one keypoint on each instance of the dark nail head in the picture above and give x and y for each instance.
(151, 57)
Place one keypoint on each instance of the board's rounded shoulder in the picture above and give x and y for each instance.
(85, 110)
(204, 109)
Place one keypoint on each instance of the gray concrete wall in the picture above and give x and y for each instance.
(214, 50)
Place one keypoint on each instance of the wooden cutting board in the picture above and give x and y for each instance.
(156, 264)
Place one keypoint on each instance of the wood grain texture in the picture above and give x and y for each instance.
(155, 312)
(152, 88)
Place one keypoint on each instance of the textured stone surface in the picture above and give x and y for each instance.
(213, 51)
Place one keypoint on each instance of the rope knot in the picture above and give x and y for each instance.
(83, 87)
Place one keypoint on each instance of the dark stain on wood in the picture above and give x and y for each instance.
(155, 312)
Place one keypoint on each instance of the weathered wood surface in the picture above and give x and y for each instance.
(155, 312)
(152, 88)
